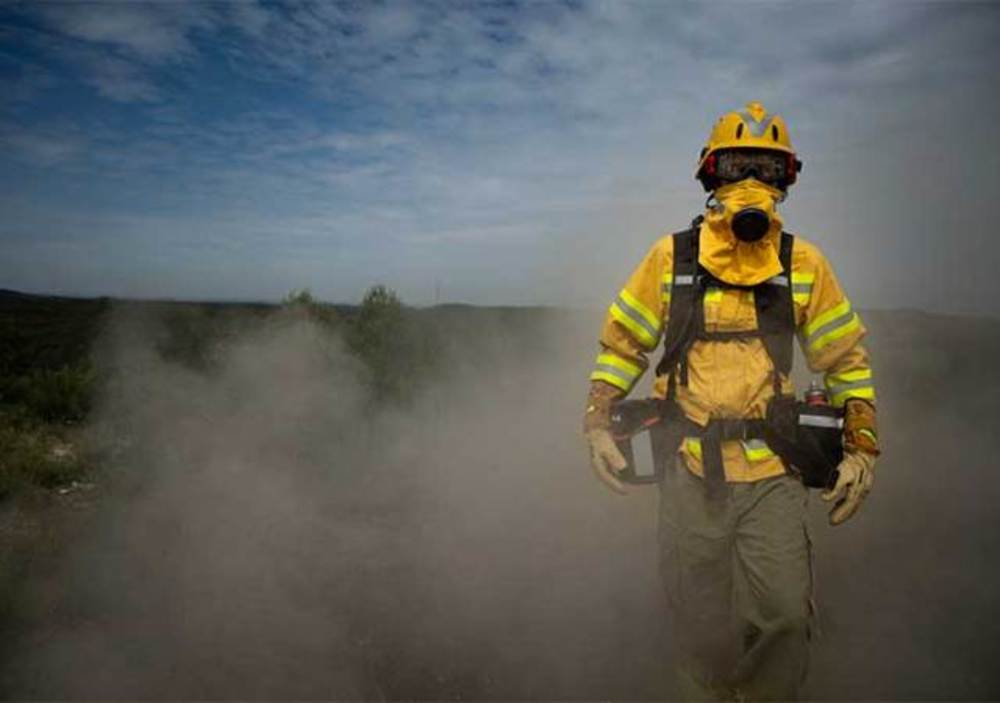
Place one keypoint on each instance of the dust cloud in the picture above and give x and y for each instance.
(280, 537)
(276, 535)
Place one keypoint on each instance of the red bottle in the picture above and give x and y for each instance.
(816, 395)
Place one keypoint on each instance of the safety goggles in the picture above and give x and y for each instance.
(738, 164)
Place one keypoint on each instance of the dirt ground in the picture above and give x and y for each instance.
(263, 540)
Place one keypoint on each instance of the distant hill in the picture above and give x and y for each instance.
(49, 331)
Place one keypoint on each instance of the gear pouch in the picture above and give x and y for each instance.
(808, 438)
(646, 438)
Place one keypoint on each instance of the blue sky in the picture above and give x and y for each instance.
(524, 153)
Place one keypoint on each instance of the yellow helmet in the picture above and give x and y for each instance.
(750, 128)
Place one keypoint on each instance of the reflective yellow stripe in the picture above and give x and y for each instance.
(713, 295)
(615, 370)
(834, 379)
(625, 365)
(865, 393)
(802, 284)
(637, 318)
(611, 378)
(849, 384)
(756, 450)
(851, 325)
(829, 316)
(693, 446)
(835, 323)
(637, 330)
(636, 304)
(869, 434)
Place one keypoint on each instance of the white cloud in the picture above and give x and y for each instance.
(453, 131)
(250, 17)
(150, 31)
(45, 148)
(120, 80)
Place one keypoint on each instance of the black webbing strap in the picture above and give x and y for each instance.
(684, 302)
(711, 460)
(712, 435)
(773, 303)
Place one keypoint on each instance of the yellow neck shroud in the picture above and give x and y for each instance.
(726, 257)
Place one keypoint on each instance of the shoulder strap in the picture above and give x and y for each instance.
(684, 300)
(776, 312)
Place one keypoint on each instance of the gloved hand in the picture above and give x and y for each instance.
(604, 454)
(605, 458)
(857, 473)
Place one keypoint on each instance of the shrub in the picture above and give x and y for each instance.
(377, 338)
(61, 395)
(303, 302)
(30, 454)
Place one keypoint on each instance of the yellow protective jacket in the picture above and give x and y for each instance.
(733, 378)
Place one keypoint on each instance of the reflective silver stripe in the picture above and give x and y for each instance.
(778, 281)
(841, 387)
(637, 317)
(615, 371)
(757, 129)
(755, 444)
(685, 279)
(820, 421)
(802, 288)
(831, 325)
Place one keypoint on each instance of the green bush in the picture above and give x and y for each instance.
(377, 337)
(303, 302)
(32, 455)
(61, 395)
(299, 298)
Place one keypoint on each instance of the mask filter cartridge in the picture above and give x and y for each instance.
(751, 224)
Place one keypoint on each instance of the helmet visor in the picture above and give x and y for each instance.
(738, 164)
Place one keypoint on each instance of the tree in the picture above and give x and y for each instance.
(304, 303)
(378, 338)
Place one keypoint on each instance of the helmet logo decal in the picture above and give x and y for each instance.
(757, 129)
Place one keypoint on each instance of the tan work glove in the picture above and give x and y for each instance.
(605, 458)
(857, 473)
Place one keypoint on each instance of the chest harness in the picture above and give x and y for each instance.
(813, 458)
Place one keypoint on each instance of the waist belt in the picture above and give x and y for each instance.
(712, 435)
(807, 439)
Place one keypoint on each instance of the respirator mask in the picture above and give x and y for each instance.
(748, 208)
(753, 181)
(739, 238)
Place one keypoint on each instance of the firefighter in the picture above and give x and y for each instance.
(735, 551)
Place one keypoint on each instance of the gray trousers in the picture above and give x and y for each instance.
(738, 579)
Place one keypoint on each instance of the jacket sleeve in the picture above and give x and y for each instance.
(831, 334)
(635, 320)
